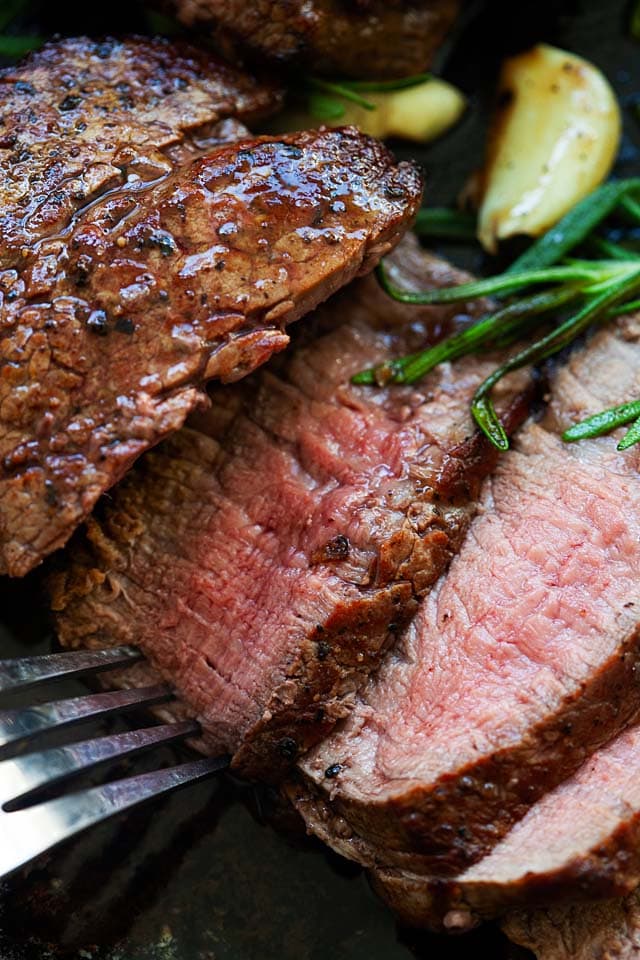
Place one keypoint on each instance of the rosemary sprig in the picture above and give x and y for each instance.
(576, 225)
(344, 90)
(605, 422)
(493, 330)
(385, 86)
(594, 310)
(326, 96)
(598, 289)
(14, 45)
(586, 270)
(11, 46)
(444, 223)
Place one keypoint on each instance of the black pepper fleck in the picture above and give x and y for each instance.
(333, 771)
(125, 325)
(324, 649)
(69, 103)
(288, 748)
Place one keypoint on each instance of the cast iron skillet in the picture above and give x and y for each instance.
(200, 876)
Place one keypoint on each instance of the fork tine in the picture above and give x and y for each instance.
(22, 777)
(20, 724)
(22, 833)
(26, 671)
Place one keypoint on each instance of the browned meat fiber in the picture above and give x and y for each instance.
(370, 38)
(598, 931)
(265, 560)
(147, 262)
(521, 662)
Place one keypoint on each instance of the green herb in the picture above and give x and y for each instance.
(11, 46)
(634, 21)
(605, 422)
(326, 97)
(597, 290)
(385, 86)
(441, 222)
(493, 330)
(345, 91)
(592, 272)
(325, 108)
(613, 250)
(576, 225)
(594, 310)
(630, 206)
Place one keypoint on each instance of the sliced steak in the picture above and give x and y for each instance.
(369, 38)
(264, 560)
(521, 662)
(581, 841)
(599, 931)
(138, 269)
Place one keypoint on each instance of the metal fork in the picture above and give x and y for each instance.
(30, 827)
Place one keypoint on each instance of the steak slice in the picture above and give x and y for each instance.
(581, 841)
(369, 38)
(138, 270)
(600, 931)
(265, 559)
(521, 662)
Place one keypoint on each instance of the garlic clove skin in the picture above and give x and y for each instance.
(553, 139)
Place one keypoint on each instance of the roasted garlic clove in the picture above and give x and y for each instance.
(421, 112)
(553, 139)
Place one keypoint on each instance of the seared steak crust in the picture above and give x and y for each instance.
(369, 38)
(579, 842)
(598, 931)
(265, 560)
(521, 662)
(144, 267)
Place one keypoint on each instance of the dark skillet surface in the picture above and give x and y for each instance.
(198, 876)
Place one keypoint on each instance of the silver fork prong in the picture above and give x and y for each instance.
(26, 834)
(21, 724)
(26, 671)
(22, 777)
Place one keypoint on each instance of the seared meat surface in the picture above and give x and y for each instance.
(579, 842)
(368, 38)
(596, 931)
(150, 259)
(522, 660)
(265, 557)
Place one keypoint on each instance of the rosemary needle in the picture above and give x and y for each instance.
(595, 309)
(605, 422)
(498, 327)
(586, 270)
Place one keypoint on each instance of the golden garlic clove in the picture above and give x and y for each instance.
(553, 139)
(420, 113)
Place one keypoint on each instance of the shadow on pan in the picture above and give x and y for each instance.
(197, 876)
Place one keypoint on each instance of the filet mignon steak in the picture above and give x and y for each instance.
(579, 842)
(368, 38)
(264, 560)
(520, 663)
(143, 265)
